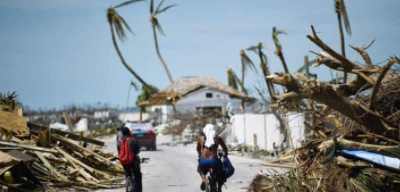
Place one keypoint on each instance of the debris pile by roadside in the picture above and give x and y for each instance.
(354, 131)
(36, 157)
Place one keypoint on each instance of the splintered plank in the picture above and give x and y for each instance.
(37, 128)
(86, 175)
(4, 143)
(70, 158)
(79, 148)
(49, 166)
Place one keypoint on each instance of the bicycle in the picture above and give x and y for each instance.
(130, 184)
(211, 177)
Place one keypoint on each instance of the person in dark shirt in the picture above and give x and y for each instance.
(135, 166)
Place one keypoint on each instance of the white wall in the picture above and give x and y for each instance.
(274, 135)
(297, 129)
(132, 116)
(267, 129)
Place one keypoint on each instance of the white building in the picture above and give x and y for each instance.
(131, 114)
(105, 114)
(264, 131)
(196, 94)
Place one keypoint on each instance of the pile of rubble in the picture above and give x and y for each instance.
(354, 131)
(35, 157)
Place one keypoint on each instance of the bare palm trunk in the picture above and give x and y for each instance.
(161, 58)
(280, 55)
(243, 89)
(125, 64)
(343, 47)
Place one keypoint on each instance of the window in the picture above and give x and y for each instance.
(209, 95)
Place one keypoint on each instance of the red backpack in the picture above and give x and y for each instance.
(126, 156)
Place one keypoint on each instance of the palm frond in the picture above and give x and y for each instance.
(159, 29)
(246, 62)
(135, 86)
(256, 48)
(127, 3)
(166, 8)
(345, 16)
(118, 23)
(159, 6)
(275, 34)
(253, 48)
(151, 6)
(231, 78)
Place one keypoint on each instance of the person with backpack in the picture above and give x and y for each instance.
(128, 150)
(207, 148)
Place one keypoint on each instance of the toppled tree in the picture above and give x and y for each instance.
(362, 114)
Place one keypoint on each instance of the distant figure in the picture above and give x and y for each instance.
(134, 166)
(207, 147)
(119, 134)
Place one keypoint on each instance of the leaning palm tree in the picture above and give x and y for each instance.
(118, 25)
(156, 26)
(341, 12)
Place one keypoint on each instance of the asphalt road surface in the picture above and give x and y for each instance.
(174, 168)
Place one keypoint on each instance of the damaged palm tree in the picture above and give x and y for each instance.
(118, 25)
(231, 78)
(157, 27)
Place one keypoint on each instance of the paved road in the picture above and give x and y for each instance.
(173, 168)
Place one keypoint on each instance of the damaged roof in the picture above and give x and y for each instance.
(186, 85)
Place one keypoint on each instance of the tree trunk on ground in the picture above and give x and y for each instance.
(326, 94)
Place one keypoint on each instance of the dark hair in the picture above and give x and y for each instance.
(126, 131)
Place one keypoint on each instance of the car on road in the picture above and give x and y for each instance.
(144, 133)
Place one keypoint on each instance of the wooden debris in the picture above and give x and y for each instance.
(13, 123)
(56, 158)
(34, 128)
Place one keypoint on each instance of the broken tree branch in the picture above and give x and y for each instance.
(325, 93)
(364, 55)
(375, 90)
(345, 62)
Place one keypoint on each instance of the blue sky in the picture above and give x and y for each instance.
(55, 53)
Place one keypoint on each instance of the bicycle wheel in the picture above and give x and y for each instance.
(211, 185)
(129, 184)
(208, 184)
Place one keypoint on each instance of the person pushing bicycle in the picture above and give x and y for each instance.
(207, 148)
(128, 151)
